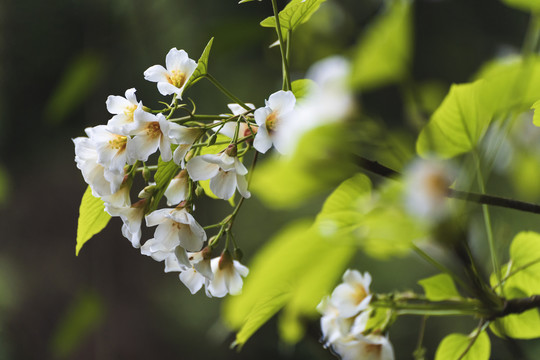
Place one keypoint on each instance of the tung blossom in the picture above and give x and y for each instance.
(122, 108)
(225, 171)
(173, 79)
(279, 107)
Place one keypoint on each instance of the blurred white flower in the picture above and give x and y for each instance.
(426, 187)
(279, 106)
(369, 347)
(352, 296)
(225, 171)
(172, 80)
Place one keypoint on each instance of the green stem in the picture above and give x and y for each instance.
(532, 36)
(429, 308)
(285, 63)
(227, 92)
(487, 223)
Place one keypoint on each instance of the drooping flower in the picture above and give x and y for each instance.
(132, 218)
(150, 133)
(225, 171)
(352, 296)
(102, 181)
(172, 80)
(122, 108)
(178, 189)
(175, 227)
(426, 185)
(278, 107)
(228, 275)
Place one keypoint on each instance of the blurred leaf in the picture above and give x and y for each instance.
(524, 175)
(79, 80)
(518, 326)
(82, 318)
(383, 54)
(526, 5)
(302, 87)
(202, 65)
(320, 161)
(464, 115)
(4, 186)
(536, 117)
(295, 269)
(295, 13)
(92, 218)
(439, 287)
(454, 345)
(361, 218)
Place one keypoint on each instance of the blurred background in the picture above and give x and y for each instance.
(60, 59)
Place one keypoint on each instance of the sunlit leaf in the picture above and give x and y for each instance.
(454, 345)
(525, 260)
(302, 87)
(295, 13)
(81, 319)
(92, 218)
(439, 287)
(295, 269)
(519, 326)
(526, 5)
(77, 83)
(202, 65)
(383, 54)
(536, 117)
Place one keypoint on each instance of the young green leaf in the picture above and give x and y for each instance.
(454, 346)
(202, 65)
(439, 287)
(295, 13)
(302, 87)
(383, 54)
(92, 218)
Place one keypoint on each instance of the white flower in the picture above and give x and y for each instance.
(278, 107)
(184, 137)
(193, 279)
(228, 129)
(175, 227)
(328, 101)
(178, 189)
(333, 326)
(226, 173)
(132, 218)
(370, 347)
(120, 198)
(173, 79)
(102, 181)
(228, 275)
(427, 182)
(352, 296)
(151, 132)
(111, 147)
(122, 108)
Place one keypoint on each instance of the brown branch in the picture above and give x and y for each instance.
(379, 169)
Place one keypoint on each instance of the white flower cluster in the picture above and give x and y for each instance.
(344, 320)
(130, 137)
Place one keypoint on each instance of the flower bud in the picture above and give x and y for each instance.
(146, 173)
(147, 192)
(199, 190)
(231, 150)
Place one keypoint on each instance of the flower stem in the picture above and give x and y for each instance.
(284, 57)
(227, 92)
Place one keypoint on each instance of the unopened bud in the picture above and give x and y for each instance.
(146, 173)
(147, 192)
(231, 150)
(199, 190)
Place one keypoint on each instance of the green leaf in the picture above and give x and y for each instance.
(295, 13)
(302, 87)
(383, 54)
(525, 263)
(536, 117)
(439, 287)
(457, 125)
(461, 120)
(92, 218)
(202, 65)
(165, 172)
(295, 269)
(454, 345)
(526, 5)
(518, 326)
